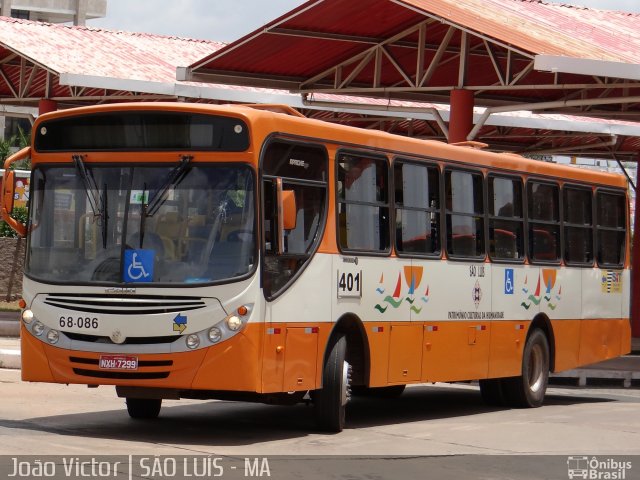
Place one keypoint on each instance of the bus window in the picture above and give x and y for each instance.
(578, 225)
(543, 222)
(363, 203)
(417, 195)
(465, 214)
(303, 170)
(611, 225)
(506, 222)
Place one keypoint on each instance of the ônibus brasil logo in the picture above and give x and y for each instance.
(597, 469)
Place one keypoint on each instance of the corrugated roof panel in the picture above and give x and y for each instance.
(103, 52)
(530, 25)
(543, 28)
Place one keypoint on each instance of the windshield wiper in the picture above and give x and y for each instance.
(173, 179)
(97, 202)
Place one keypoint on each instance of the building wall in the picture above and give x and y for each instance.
(55, 11)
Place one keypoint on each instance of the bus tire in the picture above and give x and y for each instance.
(528, 389)
(391, 391)
(144, 408)
(492, 392)
(331, 400)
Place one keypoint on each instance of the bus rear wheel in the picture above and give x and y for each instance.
(331, 400)
(144, 408)
(528, 389)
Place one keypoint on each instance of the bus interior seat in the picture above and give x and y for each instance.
(171, 229)
(505, 243)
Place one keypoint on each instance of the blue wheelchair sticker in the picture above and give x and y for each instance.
(138, 265)
(508, 281)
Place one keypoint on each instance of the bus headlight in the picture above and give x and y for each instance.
(215, 334)
(233, 323)
(193, 341)
(27, 316)
(38, 328)
(53, 336)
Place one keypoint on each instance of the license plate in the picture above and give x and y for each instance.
(118, 362)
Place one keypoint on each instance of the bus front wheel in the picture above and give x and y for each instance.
(144, 408)
(331, 400)
(528, 389)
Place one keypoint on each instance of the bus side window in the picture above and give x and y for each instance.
(611, 228)
(363, 203)
(543, 221)
(578, 225)
(465, 214)
(506, 222)
(417, 195)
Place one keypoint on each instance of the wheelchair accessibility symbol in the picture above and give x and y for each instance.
(138, 265)
(508, 281)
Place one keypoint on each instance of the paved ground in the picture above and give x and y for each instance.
(45, 419)
(443, 429)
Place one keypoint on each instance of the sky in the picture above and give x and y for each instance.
(229, 20)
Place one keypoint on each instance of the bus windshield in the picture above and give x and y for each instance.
(177, 224)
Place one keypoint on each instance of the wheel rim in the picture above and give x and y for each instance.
(536, 368)
(345, 391)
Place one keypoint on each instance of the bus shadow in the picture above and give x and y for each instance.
(425, 403)
(239, 424)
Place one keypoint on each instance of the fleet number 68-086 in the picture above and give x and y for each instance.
(87, 323)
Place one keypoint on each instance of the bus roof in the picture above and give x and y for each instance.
(348, 137)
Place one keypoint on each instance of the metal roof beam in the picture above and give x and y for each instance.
(339, 37)
(546, 105)
(460, 27)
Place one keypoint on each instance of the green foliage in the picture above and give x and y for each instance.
(7, 147)
(20, 214)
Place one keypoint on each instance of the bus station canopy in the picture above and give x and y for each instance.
(76, 66)
(515, 55)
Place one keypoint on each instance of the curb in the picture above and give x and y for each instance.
(596, 378)
(10, 359)
(9, 328)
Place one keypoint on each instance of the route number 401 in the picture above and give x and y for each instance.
(349, 284)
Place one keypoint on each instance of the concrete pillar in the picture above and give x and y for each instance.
(635, 267)
(80, 16)
(461, 118)
(45, 106)
(6, 8)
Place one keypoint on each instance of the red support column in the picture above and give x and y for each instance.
(461, 118)
(635, 268)
(45, 106)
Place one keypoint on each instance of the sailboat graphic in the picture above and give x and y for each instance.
(425, 298)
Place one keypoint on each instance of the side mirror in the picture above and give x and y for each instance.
(287, 213)
(8, 192)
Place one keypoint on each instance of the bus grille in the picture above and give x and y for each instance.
(129, 305)
(120, 375)
(138, 375)
(81, 337)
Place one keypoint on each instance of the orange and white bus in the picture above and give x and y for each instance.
(200, 251)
